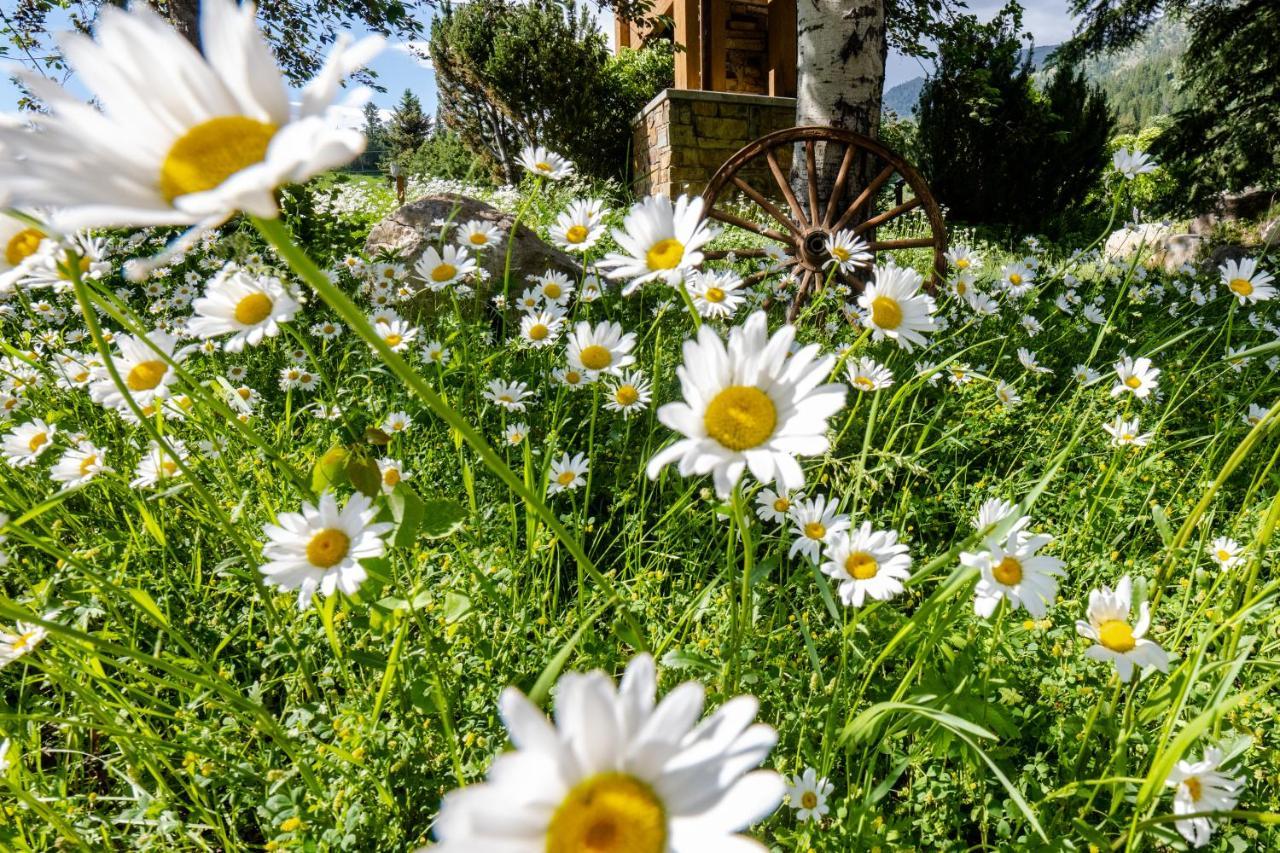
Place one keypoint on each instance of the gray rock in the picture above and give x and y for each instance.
(1125, 242)
(1180, 249)
(1269, 233)
(1220, 255)
(1246, 204)
(408, 232)
(1203, 224)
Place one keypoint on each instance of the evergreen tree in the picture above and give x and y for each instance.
(409, 126)
(993, 148)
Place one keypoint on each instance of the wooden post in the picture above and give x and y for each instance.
(688, 36)
(782, 48)
(714, 47)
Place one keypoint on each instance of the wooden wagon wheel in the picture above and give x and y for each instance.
(804, 234)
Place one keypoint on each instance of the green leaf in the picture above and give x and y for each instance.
(456, 605)
(330, 469)
(408, 510)
(1162, 524)
(147, 603)
(364, 475)
(441, 518)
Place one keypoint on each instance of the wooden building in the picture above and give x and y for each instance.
(735, 81)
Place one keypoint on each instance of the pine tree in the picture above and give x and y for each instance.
(409, 126)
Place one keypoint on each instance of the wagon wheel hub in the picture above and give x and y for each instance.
(803, 226)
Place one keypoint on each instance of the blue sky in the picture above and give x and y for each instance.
(398, 68)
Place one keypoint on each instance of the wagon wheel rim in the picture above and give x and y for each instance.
(803, 230)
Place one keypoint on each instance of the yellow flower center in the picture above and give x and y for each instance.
(444, 272)
(626, 395)
(713, 294)
(38, 441)
(815, 530)
(390, 477)
(22, 245)
(740, 417)
(961, 288)
(840, 253)
(886, 313)
(1193, 788)
(86, 465)
(1241, 286)
(253, 309)
(572, 377)
(478, 239)
(575, 234)
(538, 332)
(1223, 555)
(23, 642)
(1126, 437)
(781, 505)
(1008, 571)
(609, 813)
(864, 383)
(595, 357)
(145, 375)
(543, 166)
(665, 254)
(1015, 279)
(1133, 382)
(808, 800)
(861, 566)
(566, 477)
(1117, 636)
(168, 467)
(328, 547)
(394, 339)
(212, 151)
(962, 263)
(551, 290)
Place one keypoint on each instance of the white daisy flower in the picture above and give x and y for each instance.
(319, 548)
(22, 641)
(1246, 282)
(807, 794)
(26, 443)
(392, 473)
(159, 464)
(867, 374)
(147, 376)
(516, 433)
(1256, 413)
(397, 334)
(1125, 432)
(775, 506)
(477, 234)
(603, 348)
(439, 270)
(1131, 163)
(1116, 640)
(615, 772)
(629, 394)
(248, 307)
(435, 352)
(544, 163)
(1013, 571)
(327, 329)
(572, 377)
(183, 137)
(568, 473)
(509, 395)
(659, 241)
(1135, 376)
(867, 563)
(1226, 552)
(1007, 395)
(396, 423)
(848, 251)
(815, 521)
(1201, 788)
(1029, 361)
(1017, 279)
(19, 243)
(554, 288)
(542, 329)
(716, 294)
(79, 465)
(893, 306)
(994, 512)
(1085, 375)
(749, 405)
(580, 227)
(962, 258)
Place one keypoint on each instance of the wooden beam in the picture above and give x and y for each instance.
(689, 60)
(782, 48)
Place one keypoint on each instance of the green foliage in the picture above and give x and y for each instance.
(1225, 138)
(444, 155)
(408, 128)
(995, 150)
(516, 74)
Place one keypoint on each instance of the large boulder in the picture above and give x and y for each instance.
(1160, 246)
(408, 232)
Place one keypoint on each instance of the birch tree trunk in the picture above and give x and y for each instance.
(841, 53)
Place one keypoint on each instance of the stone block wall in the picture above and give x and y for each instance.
(683, 136)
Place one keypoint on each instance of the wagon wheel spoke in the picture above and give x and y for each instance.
(811, 170)
(768, 206)
(882, 218)
(748, 225)
(802, 294)
(721, 254)
(871, 189)
(911, 243)
(837, 191)
(796, 210)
